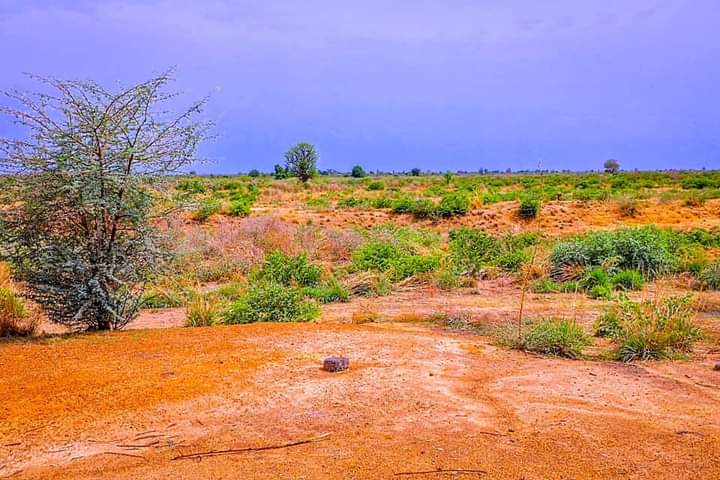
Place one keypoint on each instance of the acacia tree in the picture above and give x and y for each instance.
(611, 166)
(302, 161)
(358, 172)
(79, 223)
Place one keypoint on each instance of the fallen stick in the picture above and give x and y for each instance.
(441, 471)
(232, 451)
(138, 445)
(123, 454)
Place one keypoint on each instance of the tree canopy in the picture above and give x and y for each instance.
(82, 185)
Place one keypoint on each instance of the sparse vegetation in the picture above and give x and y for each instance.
(650, 330)
(562, 338)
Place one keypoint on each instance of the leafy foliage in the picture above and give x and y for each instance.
(80, 232)
(301, 161)
(271, 302)
(648, 250)
(529, 207)
(286, 270)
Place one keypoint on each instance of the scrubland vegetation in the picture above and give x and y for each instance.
(232, 264)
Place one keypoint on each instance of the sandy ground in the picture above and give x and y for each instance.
(417, 399)
(558, 218)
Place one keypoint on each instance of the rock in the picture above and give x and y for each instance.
(336, 364)
(717, 366)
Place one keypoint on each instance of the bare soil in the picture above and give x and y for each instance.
(419, 400)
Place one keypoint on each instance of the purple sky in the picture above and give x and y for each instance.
(454, 84)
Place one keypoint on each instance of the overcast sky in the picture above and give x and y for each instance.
(452, 84)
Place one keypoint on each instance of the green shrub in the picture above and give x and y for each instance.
(352, 202)
(229, 291)
(376, 185)
(529, 207)
(192, 185)
(447, 279)
(601, 292)
(203, 311)
(649, 250)
(595, 277)
(627, 280)
(376, 255)
(513, 261)
(544, 285)
(271, 302)
(328, 292)
(453, 204)
(406, 266)
(382, 202)
(286, 270)
(561, 338)
(709, 277)
(607, 325)
(15, 319)
(239, 208)
(403, 205)
(652, 330)
(423, 209)
(471, 249)
(207, 208)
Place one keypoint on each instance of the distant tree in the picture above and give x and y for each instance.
(611, 166)
(81, 233)
(254, 173)
(415, 172)
(448, 177)
(358, 172)
(301, 161)
(280, 172)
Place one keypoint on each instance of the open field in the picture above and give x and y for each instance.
(420, 282)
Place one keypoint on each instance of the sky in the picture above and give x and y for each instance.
(441, 85)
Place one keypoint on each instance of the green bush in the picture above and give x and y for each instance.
(376, 185)
(376, 255)
(709, 277)
(471, 249)
(652, 330)
(453, 204)
(328, 292)
(601, 292)
(513, 261)
(207, 208)
(286, 270)
(240, 208)
(529, 207)
(406, 266)
(544, 285)
(627, 280)
(352, 202)
(648, 250)
(595, 277)
(447, 279)
(382, 202)
(271, 302)
(192, 185)
(561, 338)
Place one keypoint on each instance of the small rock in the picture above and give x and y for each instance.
(717, 366)
(336, 364)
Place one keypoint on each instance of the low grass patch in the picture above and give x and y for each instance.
(650, 330)
(557, 337)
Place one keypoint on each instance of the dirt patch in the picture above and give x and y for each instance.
(416, 398)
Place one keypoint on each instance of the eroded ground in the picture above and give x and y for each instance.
(418, 398)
